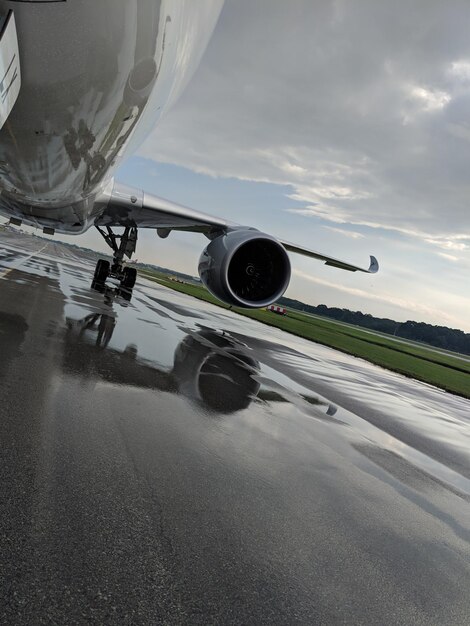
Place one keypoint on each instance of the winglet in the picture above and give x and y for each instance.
(374, 265)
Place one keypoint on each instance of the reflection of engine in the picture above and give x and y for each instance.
(140, 82)
(212, 369)
(245, 268)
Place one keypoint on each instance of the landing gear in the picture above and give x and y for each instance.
(122, 245)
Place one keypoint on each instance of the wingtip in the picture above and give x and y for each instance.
(374, 265)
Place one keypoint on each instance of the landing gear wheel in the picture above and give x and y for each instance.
(129, 276)
(101, 271)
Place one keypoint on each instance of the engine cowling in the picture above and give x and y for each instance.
(245, 268)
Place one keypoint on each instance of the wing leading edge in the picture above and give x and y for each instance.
(329, 260)
(127, 206)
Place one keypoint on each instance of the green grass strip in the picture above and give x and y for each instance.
(441, 370)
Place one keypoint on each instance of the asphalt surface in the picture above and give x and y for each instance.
(167, 461)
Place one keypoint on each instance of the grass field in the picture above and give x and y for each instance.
(416, 361)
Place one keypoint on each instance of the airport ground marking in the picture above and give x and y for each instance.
(20, 262)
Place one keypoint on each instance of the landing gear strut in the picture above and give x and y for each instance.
(122, 245)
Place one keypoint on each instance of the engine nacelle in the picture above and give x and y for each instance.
(245, 268)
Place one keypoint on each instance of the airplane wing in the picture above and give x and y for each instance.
(329, 260)
(127, 206)
(132, 207)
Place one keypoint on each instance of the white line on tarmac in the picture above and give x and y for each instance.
(20, 262)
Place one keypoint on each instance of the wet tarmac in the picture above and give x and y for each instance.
(167, 461)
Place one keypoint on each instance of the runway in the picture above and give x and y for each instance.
(167, 461)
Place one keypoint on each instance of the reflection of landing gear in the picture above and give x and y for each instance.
(122, 245)
(102, 324)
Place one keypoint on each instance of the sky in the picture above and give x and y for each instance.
(342, 126)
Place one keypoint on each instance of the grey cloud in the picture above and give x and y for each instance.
(362, 107)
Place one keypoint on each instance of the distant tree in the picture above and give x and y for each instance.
(438, 336)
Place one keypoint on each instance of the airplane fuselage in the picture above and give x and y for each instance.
(95, 79)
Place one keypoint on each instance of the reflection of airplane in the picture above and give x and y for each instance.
(210, 368)
(67, 120)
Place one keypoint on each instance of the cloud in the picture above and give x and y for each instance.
(322, 107)
(449, 257)
(461, 70)
(407, 305)
(430, 100)
(358, 111)
(347, 233)
(452, 243)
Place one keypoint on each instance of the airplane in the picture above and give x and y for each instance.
(82, 85)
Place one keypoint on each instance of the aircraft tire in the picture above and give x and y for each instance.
(129, 277)
(101, 271)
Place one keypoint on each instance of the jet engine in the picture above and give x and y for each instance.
(245, 268)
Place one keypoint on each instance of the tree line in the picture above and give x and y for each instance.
(438, 336)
